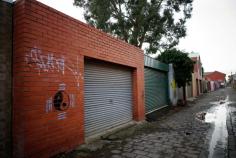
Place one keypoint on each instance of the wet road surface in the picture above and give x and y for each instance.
(205, 128)
(218, 115)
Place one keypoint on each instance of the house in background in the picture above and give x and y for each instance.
(212, 86)
(194, 88)
(233, 80)
(206, 85)
(197, 75)
(216, 79)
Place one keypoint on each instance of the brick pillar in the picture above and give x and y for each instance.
(5, 78)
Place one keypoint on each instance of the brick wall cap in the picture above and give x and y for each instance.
(79, 22)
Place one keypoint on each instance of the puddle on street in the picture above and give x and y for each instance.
(218, 116)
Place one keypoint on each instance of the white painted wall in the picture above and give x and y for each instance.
(173, 94)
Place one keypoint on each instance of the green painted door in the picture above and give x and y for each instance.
(156, 89)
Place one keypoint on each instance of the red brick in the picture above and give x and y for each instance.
(36, 25)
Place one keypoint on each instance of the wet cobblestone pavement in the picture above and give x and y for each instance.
(179, 134)
(231, 124)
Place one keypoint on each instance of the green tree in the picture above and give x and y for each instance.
(158, 23)
(182, 64)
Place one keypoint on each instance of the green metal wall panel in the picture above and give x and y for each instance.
(153, 63)
(156, 89)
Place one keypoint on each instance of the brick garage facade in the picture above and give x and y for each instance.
(5, 78)
(49, 53)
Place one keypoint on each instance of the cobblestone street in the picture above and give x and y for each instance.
(231, 124)
(186, 132)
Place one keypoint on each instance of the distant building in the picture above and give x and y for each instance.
(217, 77)
(194, 88)
(197, 76)
(233, 80)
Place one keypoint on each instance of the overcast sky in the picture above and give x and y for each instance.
(211, 31)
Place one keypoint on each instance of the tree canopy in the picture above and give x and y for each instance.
(182, 64)
(159, 23)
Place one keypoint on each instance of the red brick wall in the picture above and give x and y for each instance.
(48, 55)
(215, 76)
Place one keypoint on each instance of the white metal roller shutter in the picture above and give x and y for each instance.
(108, 96)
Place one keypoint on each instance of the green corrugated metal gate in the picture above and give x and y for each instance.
(156, 84)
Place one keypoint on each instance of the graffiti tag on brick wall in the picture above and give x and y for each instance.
(74, 69)
(48, 62)
(49, 105)
(45, 62)
(62, 87)
(72, 100)
(61, 116)
(51, 101)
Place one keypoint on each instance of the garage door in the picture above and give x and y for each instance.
(156, 89)
(108, 96)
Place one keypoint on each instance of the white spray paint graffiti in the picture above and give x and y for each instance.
(49, 105)
(50, 63)
(72, 100)
(44, 63)
(62, 87)
(61, 116)
(74, 68)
